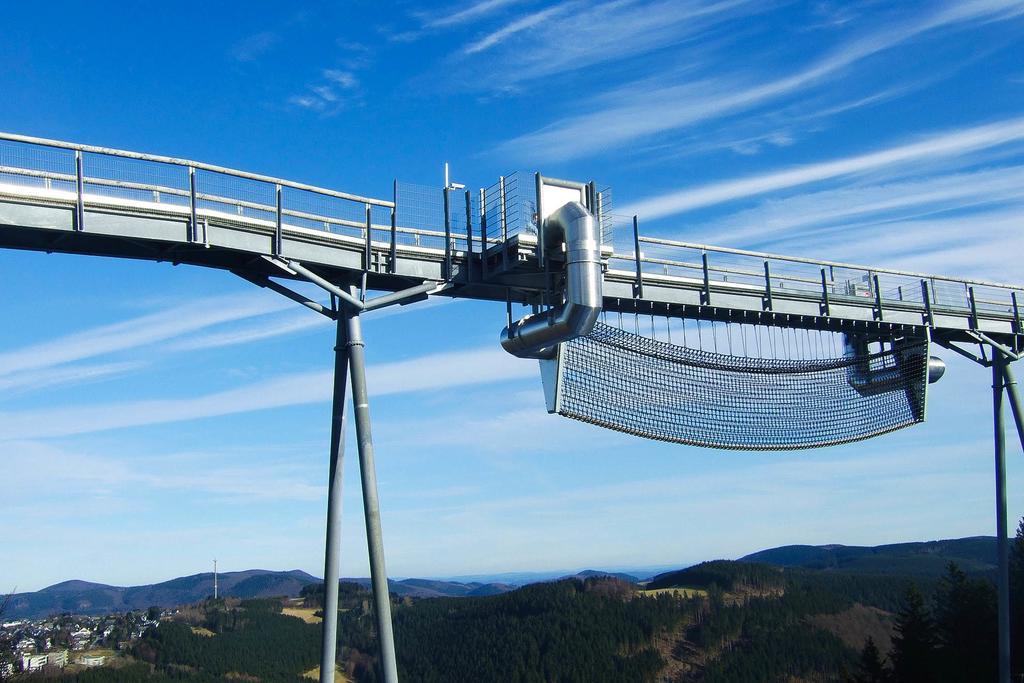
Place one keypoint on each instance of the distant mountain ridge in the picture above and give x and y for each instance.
(974, 555)
(85, 597)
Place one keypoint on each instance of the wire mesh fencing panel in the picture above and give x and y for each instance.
(419, 213)
(317, 211)
(650, 388)
(232, 196)
(510, 207)
(134, 183)
(28, 165)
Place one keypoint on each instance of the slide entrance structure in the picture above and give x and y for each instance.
(663, 339)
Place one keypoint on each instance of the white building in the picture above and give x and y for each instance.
(92, 660)
(36, 662)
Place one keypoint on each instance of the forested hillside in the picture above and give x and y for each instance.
(716, 622)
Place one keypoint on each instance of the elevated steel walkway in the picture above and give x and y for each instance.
(63, 197)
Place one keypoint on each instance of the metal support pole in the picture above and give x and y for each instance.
(974, 308)
(1017, 327)
(483, 234)
(706, 294)
(879, 314)
(768, 303)
(1016, 407)
(371, 504)
(367, 247)
(193, 227)
(638, 288)
(80, 192)
(332, 553)
(998, 377)
(393, 250)
(277, 223)
(447, 235)
(469, 236)
(504, 225)
(538, 181)
(927, 298)
(826, 307)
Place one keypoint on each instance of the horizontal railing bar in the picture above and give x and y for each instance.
(198, 165)
(218, 199)
(817, 262)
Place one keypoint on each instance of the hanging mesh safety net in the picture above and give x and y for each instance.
(650, 388)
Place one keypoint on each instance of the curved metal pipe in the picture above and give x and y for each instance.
(538, 336)
(870, 381)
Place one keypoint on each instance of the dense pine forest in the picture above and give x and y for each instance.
(717, 622)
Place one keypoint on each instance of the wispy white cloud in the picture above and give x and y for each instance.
(517, 26)
(209, 473)
(436, 371)
(955, 143)
(439, 19)
(846, 208)
(45, 378)
(336, 89)
(252, 47)
(291, 323)
(570, 36)
(645, 108)
(137, 332)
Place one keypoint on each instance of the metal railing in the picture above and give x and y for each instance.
(656, 259)
(136, 181)
(110, 178)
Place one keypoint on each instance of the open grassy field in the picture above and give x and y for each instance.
(314, 675)
(304, 613)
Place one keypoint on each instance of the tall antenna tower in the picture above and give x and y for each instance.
(215, 578)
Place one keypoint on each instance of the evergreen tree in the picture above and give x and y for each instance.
(871, 669)
(1017, 602)
(913, 653)
(966, 628)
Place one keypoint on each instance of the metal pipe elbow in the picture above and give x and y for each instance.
(538, 336)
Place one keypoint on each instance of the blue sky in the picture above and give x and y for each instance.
(153, 418)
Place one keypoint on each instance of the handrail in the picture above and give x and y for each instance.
(198, 165)
(820, 263)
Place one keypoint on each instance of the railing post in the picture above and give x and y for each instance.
(278, 240)
(974, 308)
(768, 303)
(483, 233)
(706, 294)
(469, 236)
(826, 308)
(879, 315)
(393, 249)
(367, 254)
(447, 235)
(193, 224)
(1016, 314)
(638, 288)
(504, 223)
(927, 297)
(538, 180)
(80, 193)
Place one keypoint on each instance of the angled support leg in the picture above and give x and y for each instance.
(332, 553)
(998, 377)
(1015, 403)
(371, 504)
